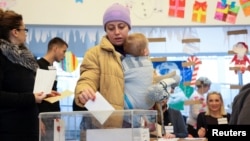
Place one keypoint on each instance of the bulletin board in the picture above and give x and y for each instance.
(143, 12)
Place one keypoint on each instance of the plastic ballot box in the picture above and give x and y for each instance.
(117, 125)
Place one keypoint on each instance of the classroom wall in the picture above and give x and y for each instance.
(79, 22)
(143, 12)
(213, 40)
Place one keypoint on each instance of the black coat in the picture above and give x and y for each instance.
(18, 109)
(240, 107)
(46, 106)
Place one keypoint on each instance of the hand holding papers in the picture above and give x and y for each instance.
(54, 99)
(100, 104)
(44, 81)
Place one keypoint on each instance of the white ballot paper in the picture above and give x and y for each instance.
(100, 108)
(44, 81)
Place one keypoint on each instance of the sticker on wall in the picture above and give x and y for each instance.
(226, 12)
(245, 6)
(6, 4)
(70, 62)
(176, 8)
(79, 1)
(199, 12)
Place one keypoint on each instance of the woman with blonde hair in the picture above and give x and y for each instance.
(215, 114)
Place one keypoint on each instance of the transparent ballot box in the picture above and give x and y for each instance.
(118, 125)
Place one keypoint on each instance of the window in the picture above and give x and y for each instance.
(214, 67)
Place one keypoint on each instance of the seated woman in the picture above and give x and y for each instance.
(172, 121)
(202, 87)
(214, 115)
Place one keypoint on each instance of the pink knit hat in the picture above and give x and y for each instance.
(117, 12)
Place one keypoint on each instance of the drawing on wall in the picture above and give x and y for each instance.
(79, 1)
(199, 12)
(177, 8)
(240, 59)
(158, 6)
(70, 62)
(7, 4)
(226, 12)
(182, 93)
(144, 9)
(143, 12)
(238, 47)
(245, 6)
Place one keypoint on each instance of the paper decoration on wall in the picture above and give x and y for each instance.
(79, 1)
(191, 41)
(6, 4)
(241, 35)
(177, 8)
(196, 66)
(245, 6)
(226, 12)
(191, 46)
(182, 92)
(240, 59)
(199, 12)
(70, 62)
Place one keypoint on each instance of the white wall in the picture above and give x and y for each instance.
(90, 12)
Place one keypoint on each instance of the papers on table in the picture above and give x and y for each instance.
(44, 81)
(98, 105)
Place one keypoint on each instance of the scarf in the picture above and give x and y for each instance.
(18, 55)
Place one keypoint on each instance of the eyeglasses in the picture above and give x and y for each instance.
(25, 29)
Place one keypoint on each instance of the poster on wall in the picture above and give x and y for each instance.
(181, 92)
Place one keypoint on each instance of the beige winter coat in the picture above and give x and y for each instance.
(101, 70)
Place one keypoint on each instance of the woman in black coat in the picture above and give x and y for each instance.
(18, 108)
